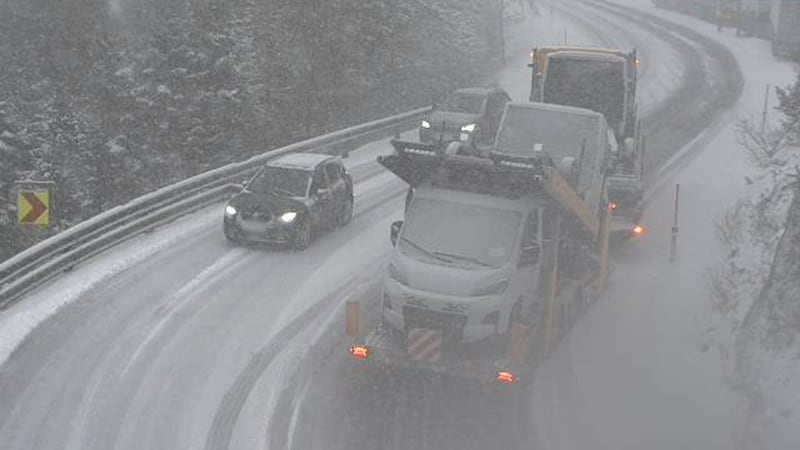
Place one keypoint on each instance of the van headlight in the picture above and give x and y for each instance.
(425, 124)
(288, 217)
(496, 288)
(230, 211)
(468, 128)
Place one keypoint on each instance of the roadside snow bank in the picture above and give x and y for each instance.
(758, 302)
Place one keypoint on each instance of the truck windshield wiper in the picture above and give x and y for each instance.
(425, 250)
(464, 258)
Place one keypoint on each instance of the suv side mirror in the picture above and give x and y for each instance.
(395, 231)
(529, 255)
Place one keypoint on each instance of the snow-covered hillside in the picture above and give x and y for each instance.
(758, 294)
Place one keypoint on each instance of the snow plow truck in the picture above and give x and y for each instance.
(499, 252)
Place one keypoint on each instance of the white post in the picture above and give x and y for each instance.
(673, 248)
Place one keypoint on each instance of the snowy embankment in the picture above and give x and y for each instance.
(757, 295)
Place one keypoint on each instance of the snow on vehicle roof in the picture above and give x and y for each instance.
(585, 55)
(554, 107)
(303, 161)
(473, 91)
(473, 198)
(576, 48)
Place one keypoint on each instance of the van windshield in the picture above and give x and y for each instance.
(459, 234)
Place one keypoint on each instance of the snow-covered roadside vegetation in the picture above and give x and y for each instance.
(758, 286)
(111, 99)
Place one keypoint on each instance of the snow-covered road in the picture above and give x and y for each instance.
(344, 409)
(177, 340)
(642, 369)
(142, 357)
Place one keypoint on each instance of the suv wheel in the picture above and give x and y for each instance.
(302, 235)
(230, 234)
(346, 214)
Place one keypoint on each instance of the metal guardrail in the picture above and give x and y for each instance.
(46, 260)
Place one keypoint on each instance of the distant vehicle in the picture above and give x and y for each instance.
(785, 18)
(290, 199)
(469, 115)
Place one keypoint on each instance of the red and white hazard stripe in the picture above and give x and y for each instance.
(424, 344)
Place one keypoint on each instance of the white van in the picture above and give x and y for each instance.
(464, 262)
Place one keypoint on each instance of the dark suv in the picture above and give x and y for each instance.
(290, 199)
(469, 115)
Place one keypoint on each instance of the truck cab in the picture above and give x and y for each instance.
(467, 259)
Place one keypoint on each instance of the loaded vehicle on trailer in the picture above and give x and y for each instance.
(498, 253)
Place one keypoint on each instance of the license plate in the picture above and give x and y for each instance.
(253, 227)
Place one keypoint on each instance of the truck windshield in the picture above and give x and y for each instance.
(459, 234)
(590, 84)
(460, 102)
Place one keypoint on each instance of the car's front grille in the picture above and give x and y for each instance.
(261, 216)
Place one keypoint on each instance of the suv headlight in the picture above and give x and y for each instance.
(425, 124)
(288, 217)
(468, 128)
(496, 288)
(230, 210)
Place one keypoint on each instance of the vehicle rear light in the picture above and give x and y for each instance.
(359, 352)
(638, 230)
(507, 377)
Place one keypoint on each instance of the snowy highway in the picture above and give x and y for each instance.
(188, 342)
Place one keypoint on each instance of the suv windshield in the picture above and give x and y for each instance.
(463, 103)
(281, 181)
(589, 84)
(460, 234)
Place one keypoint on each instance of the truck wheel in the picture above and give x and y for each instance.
(302, 236)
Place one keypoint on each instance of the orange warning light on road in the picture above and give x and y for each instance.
(639, 230)
(360, 352)
(507, 377)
